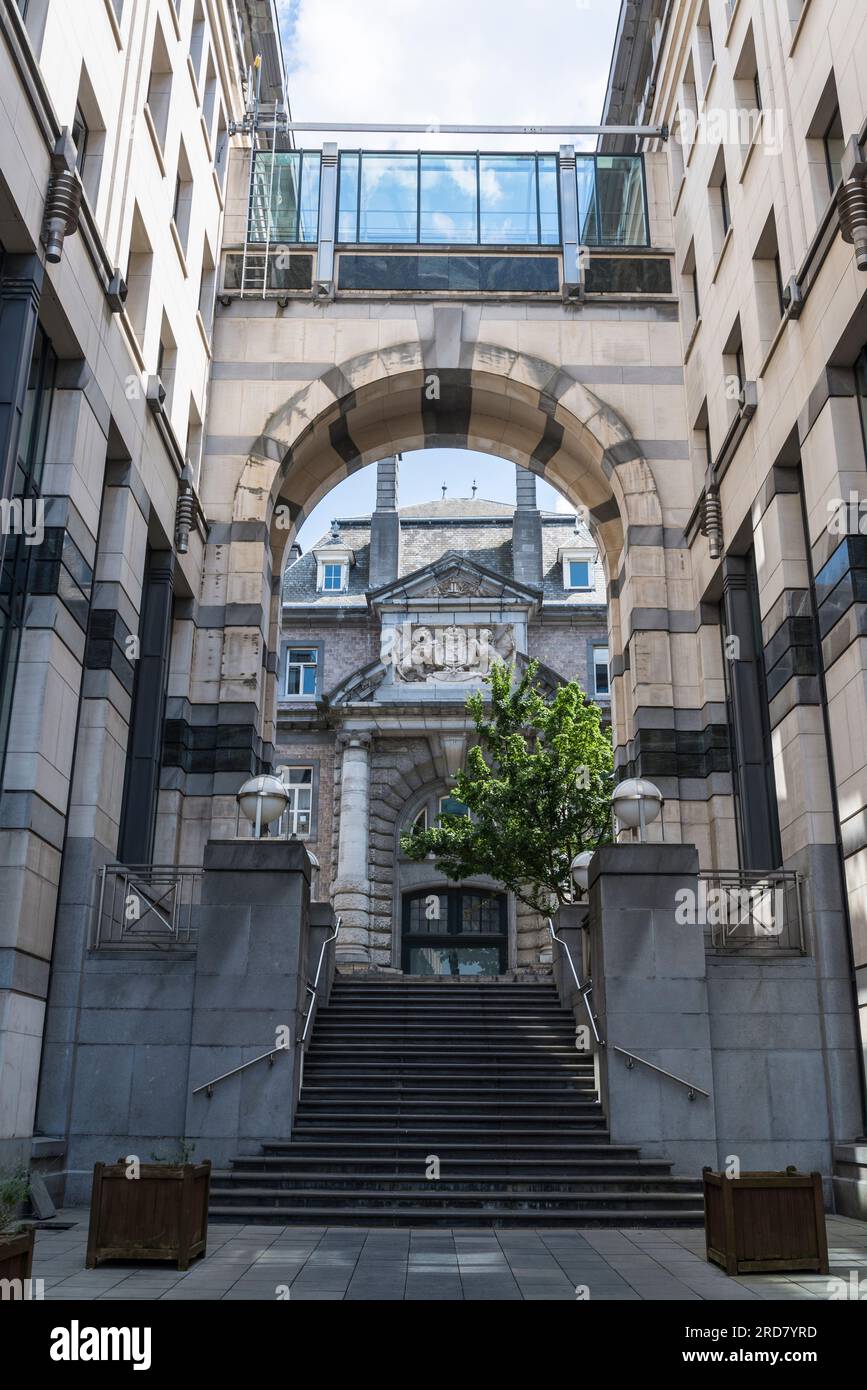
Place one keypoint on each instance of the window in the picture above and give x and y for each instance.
(719, 206)
(601, 682)
(734, 366)
(139, 271)
(689, 104)
(748, 92)
(861, 391)
(768, 281)
(88, 136)
(454, 931)
(449, 805)
(578, 561)
(183, 205)
(160, 88)
(724, 205)
(209, 101)
(332, 578)
(298, 816)
(167, 363)
(689, 290)
(705, 45)
(197, 40)
(207, 288)
(194, 441)
(420, 822)
(835, 143)
(301, 668)
(778, 276)
(79, 139)
(739, 366)
(15, 554)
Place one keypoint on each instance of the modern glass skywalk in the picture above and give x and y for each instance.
(399, 198)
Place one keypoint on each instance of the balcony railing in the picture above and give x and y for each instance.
(752, 913)
(399, 198)
(146, 906)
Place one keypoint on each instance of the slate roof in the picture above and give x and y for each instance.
(475, 527)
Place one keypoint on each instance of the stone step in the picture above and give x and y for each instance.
(479, 1214)
(249, 1182)
(463, 1164)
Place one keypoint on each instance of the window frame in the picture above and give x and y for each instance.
(290, 816)
(606, 693)
(302, 666)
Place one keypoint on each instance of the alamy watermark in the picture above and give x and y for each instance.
(712, 905)
(23, 516)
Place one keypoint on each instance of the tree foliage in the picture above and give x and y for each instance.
(537, 784)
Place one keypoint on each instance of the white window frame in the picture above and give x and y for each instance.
(334, 555)
(302, 666)
(289, 820)
(602, 694)
(582, 556)
(341, 572)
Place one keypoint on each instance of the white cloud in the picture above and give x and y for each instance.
(543, 62)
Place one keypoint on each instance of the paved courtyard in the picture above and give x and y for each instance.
(348, 1262)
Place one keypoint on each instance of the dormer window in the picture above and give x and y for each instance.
(579, 574)
(333, 563)
(578, 567)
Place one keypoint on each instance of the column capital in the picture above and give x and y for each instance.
(354, 738)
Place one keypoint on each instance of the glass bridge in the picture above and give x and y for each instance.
(394, 221)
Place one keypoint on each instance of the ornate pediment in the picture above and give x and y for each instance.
(454, 578)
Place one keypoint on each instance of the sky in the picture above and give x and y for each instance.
(515, 62)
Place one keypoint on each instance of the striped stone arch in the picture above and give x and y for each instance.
(496, 400)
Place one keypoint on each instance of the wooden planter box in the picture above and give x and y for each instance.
(765, 1222)
(160, 1215)
(16, 1255)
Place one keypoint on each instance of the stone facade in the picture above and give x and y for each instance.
(380, 719)
(698, 388)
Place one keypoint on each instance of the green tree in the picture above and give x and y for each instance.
(537, 784)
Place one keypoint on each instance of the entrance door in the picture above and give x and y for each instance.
(454, 931)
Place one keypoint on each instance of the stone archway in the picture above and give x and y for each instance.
(507, 403)
(442, 391)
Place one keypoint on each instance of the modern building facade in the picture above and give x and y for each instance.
(115, 119)
(766, 107)
(389, 622)
(670, 330)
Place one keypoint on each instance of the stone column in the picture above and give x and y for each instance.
(351, 889)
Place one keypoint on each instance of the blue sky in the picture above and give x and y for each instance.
(539, 62)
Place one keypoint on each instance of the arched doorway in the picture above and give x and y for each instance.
(461, 930)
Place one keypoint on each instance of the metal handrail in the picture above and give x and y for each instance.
(312, 989)
(283, 1047)
(209, 1085)
(692, 1090)
(584, 990)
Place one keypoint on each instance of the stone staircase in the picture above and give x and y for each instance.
(483, 1077)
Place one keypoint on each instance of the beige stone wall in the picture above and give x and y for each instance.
(806, 430)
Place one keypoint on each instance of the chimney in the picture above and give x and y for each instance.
(526, 530)
(385, 525)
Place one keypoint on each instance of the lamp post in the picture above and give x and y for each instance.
(636, 802)
(262, 800)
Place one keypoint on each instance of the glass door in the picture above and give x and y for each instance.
(454, 931)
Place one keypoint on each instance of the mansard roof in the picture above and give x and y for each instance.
(475, 528)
